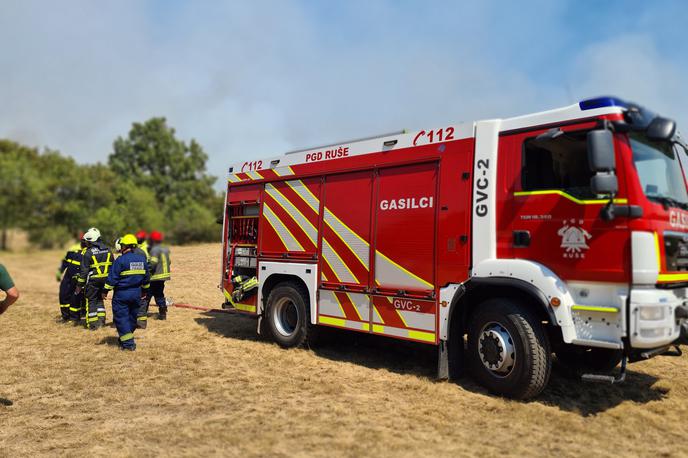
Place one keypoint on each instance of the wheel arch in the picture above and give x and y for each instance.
(304, 275)
(275, 279)
(477, 290)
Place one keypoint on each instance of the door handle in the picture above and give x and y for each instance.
(521, 239)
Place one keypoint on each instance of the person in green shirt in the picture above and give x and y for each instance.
(7, 285)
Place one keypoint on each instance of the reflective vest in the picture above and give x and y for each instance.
(159, 263)
(96, 263)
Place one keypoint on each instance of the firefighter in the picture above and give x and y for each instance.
(128, 277)
(95, 265)
(66, 275)
(8, 287)
(159, 266)
(141, 237)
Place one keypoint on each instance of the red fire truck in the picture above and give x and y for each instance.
(502, 242)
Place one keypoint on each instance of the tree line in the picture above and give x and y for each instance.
(151, 181)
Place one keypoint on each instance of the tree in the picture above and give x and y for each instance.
(152, 157)
(19, 186)
(175, 171)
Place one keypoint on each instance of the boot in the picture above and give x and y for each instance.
(141, 324)
(162, 313)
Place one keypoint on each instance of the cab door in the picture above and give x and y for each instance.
(548, 211)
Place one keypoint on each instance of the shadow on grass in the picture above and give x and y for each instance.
(232, 325)
(410, 358)
(6, 402)
(112, 341)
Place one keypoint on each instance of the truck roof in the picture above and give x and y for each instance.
(281, 165)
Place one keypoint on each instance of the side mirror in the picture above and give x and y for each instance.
(601, 151)
(604, 183)
(661, 129)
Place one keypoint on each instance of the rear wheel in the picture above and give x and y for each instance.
(287, 314)
(508, 349)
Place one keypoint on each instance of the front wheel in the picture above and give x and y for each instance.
(508, 349)
(287, 314)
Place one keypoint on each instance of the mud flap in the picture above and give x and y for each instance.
(442, 361)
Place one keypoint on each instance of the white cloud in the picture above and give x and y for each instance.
(255, 79)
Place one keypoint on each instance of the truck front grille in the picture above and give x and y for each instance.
(676, 251)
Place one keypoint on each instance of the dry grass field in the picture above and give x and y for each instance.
(203, 384)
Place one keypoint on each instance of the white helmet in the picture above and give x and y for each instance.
(118, 245)
(92, 235)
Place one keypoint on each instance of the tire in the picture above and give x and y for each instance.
(288, 315)
(579, 360)
(508, 349)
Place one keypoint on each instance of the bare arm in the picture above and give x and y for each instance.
(11, 298)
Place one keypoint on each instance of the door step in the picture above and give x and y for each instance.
(606, 378)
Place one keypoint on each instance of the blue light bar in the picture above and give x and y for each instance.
(600, 102)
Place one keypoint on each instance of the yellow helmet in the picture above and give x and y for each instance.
(128, 239)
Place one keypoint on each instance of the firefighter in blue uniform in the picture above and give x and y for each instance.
(66, 275)
(95, 265)
(128, 277)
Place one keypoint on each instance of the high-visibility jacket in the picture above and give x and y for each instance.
(96, 263)
(143, 246)
(72, 261)
(129, 271)
(159, 263)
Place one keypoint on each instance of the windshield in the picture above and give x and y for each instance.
(659, 170)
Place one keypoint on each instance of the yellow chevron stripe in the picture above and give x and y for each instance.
(338, 303)
(398, 312)
(272, 213)
(293, 209)
(340, 260)
(411, 274)
(342, 238)
(289, 183)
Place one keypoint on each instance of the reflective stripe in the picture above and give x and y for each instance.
(592, 308)
(358, 246)
(146, 286)
(408, 333)
(560, 193)
(154, 259)
(160, 277)
(64, 306)
(289, 208)
(133, 272)
(287, 238)
(127, 336)
(100, 273)
(108, 287)
(337, 264)
(72, 261)
(340, 323)
(245, 307)
(142, 318)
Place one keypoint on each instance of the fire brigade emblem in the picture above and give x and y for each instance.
(573, 239)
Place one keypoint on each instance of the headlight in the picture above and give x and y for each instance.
(652, 313)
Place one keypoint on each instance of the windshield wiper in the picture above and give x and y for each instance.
(669, 202)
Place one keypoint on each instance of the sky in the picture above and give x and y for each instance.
(254, 79)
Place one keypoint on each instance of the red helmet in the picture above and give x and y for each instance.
(156, 236)
(141, 236)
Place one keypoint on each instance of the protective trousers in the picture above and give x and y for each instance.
(76, 307)
(67, 287)
(95, 308)
(125, 307)
(156, 290)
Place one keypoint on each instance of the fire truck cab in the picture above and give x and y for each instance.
(502, 242)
